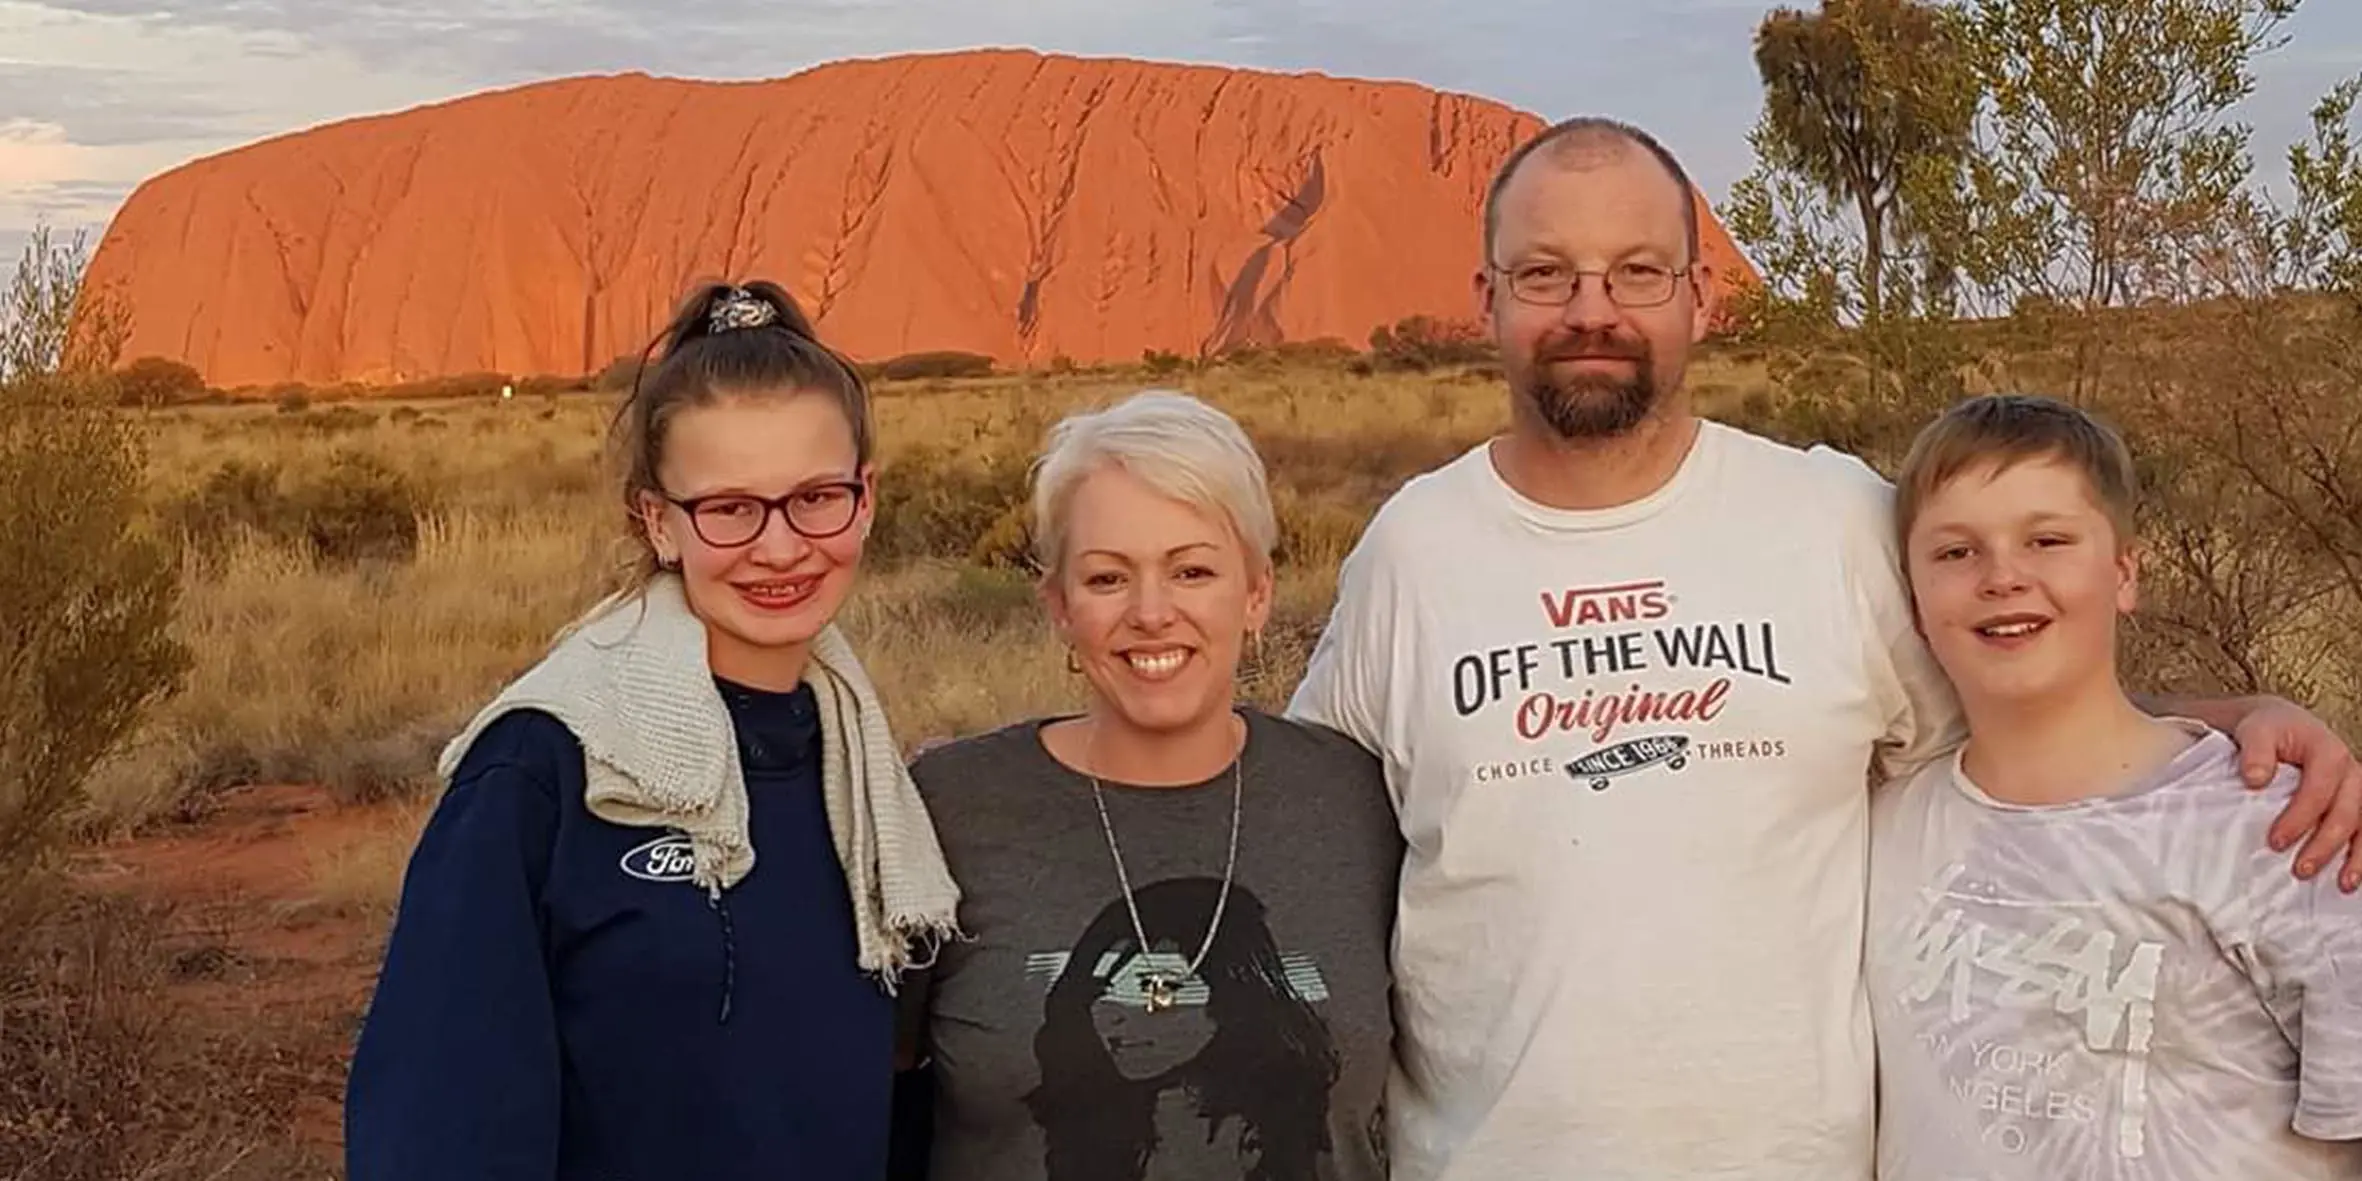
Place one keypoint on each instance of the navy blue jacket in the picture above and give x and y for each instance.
(560, 1003)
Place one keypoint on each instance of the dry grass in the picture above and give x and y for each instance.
(352, 673)
(358, 873)
(360, 577)
(319, 666)
(315, 665)
(107, 1079)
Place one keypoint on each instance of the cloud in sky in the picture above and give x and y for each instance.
(96, 95)
(93, 102)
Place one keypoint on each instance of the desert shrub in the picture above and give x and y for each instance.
(2245, 423)
(103, 1081)
(338, 420)
(1360, 468)
(985, 599)
(1315, 532)
(87, 597)
(935, 364)
(549, 386)
(932, 504)
(1712, 393)
(1270, 667)
(1321, 352)
(1426, 342)
(1248, 355)
(292, 401)
(236, 495)
(156, 381)
(1326, 352)
(456, 385)
(1161, 362)
(1007, 543)
(618, 374)
(374, 768)
(358, 509)
(2249, 427)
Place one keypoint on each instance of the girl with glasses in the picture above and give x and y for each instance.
(655, 924)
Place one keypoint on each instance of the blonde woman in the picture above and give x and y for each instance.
(1177, 906)
(654, 924)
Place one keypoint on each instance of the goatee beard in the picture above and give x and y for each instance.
(1590, 408)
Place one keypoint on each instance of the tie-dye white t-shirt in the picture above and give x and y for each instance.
(2127, 988)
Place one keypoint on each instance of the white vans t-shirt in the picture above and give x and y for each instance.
(1631, 751)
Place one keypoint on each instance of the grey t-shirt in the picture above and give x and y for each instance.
(2132, 987)
(1271, 1063)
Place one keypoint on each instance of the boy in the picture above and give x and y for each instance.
(2084, 960)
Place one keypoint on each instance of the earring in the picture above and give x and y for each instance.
(1073, 665)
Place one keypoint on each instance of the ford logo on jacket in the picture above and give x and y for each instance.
(665, 859)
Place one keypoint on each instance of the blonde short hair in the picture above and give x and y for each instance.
(2006, 429)
(1170, 441)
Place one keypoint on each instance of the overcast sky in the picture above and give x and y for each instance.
(96, 95)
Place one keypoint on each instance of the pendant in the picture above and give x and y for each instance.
(1160, 991)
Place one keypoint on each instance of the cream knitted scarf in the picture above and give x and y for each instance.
(631, 681)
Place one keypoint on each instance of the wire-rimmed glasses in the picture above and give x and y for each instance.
(1549, 283)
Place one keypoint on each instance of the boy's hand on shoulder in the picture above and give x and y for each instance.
(2328, 799)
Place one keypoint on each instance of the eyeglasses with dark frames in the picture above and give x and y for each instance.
(1553, 284)
(732, 519)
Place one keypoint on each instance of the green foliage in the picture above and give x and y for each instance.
(933, 504)
(157, 381)
(2102, 168)
(989, 598)
(49, 323)
(1858, 97)
(2107, 164)
(457, 385)
(1007, 543)
(357, 510)
(1426, 342)
(941, 363)
(86, 595)
(2320, 243)
(1162, 363)
(2107, 213)
(101, 1082)
(619, 374)
(1319, 352)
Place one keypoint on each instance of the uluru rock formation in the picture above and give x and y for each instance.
(1009, 203)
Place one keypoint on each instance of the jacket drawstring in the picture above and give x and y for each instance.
(729, 956)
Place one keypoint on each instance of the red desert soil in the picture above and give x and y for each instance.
(1004, 202)
(262, 952)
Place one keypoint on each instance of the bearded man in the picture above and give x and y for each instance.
(1629, 671)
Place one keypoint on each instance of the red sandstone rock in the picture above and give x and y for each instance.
(999, 202)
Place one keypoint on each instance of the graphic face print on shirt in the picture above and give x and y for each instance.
(1235, 1074)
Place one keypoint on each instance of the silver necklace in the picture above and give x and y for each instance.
(1161, 988)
